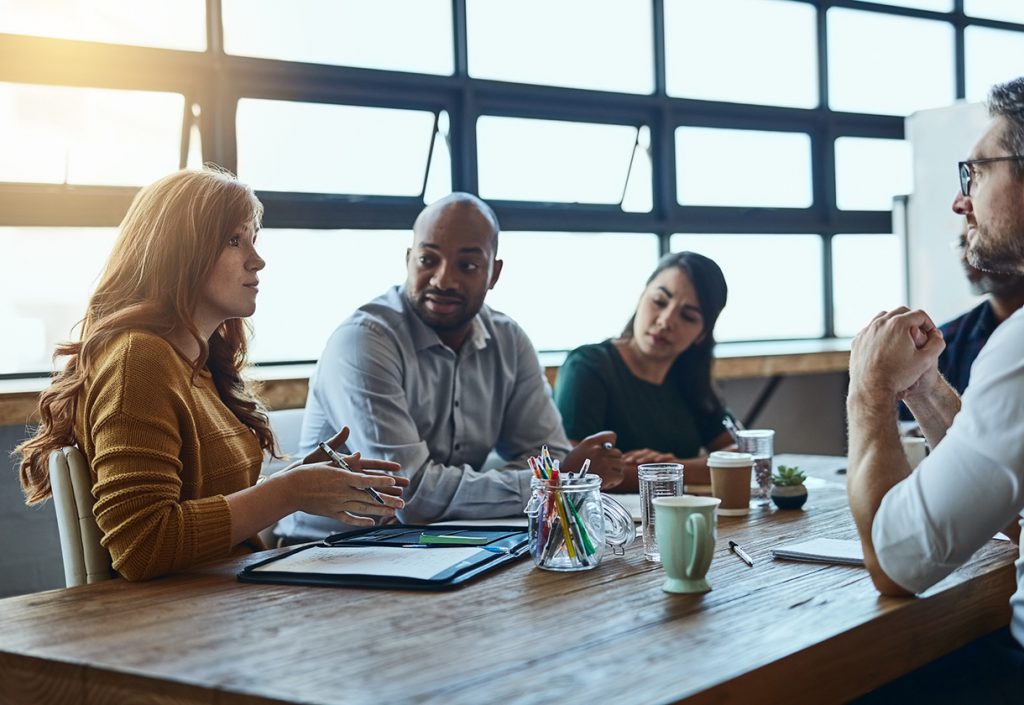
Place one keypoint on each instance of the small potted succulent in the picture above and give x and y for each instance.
(788, 491)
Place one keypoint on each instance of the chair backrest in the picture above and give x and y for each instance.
(85, 558)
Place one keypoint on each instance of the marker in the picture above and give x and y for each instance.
(340, 462)
(735, 548)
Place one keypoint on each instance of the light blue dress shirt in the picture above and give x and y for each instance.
(408, 397)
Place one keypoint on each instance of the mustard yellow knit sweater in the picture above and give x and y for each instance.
(163, 452)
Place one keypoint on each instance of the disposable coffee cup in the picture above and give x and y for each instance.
(730, 481)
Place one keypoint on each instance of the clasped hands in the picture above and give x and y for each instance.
(896, 355)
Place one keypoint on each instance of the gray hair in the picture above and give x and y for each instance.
(1006, 100)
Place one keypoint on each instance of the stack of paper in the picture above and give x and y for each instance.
(840, 551)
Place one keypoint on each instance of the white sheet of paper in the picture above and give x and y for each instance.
(422, 563)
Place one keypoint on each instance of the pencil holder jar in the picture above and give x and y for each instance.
(572, 524)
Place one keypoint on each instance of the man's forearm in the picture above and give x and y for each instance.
(935, 410)
(876, 464)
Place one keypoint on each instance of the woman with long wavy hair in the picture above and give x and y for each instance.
(652, 385)
(153, 394)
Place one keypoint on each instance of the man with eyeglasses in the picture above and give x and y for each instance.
(917, 527)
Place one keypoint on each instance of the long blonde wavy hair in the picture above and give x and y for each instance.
(166, 248)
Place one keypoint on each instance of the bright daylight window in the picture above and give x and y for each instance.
(336, 271)
(743, 168)
(775, 284)
(56, 135)
(168, 24)
(995, 10)
(876, 81)
(33, 310)
(870, 172)
(868, 276)
(743, 65)
(333, 148)
(567, 289)
(565, 162)
(986, 50)
(549, 106)
(397, 35)
(598, 44)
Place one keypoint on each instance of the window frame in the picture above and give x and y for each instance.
(216, 81)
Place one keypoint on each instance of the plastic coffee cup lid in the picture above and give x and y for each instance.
(728, 459)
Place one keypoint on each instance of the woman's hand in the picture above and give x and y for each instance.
(320, 487)
(605, 458)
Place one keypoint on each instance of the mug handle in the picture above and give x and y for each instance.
(697, 527)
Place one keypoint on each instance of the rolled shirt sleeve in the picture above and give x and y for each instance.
(971, 485)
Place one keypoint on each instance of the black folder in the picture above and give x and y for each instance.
(407, 556)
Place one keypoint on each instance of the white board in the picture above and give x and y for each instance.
(939, 139)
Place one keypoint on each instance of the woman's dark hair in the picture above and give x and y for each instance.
(692, 369)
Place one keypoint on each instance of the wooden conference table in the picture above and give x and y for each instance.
(780, 632)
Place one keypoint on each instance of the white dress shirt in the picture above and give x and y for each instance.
(970, 486)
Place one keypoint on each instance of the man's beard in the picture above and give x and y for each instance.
(433, 320)
(996, 255)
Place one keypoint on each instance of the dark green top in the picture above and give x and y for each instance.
(595, 391)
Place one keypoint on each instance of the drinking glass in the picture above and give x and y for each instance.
(760, 444)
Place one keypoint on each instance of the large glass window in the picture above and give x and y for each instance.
(44, 296)
(567, 289)
(867, 277)
(701, 61)
(775, 284)
(314, 280)
(534, 102)
(399, 35)
(310, 147)
(876, 80)
(869, 172)
(598, 44)
(987, 50)
(743, 168)
(995, 10)
(171, 24)
(550, 160)
(57, 135)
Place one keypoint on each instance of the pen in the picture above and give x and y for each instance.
(731, 427)
(735, 548)
(344, 466)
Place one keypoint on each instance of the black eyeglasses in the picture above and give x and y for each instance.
(965, 169)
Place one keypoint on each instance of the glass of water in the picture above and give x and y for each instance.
(760, 443)
(656, 480)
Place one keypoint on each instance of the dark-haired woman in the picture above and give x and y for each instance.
(652, 385)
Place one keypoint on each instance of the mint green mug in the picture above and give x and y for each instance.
(685, 528)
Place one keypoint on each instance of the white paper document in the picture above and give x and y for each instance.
(842, 551)
(422, 563)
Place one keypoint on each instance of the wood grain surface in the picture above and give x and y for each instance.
(780, 632)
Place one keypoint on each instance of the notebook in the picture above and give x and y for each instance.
(841, 551)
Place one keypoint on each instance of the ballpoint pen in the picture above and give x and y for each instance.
(735, 548)
(340, 462)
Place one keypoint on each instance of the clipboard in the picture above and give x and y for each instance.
(403, 556)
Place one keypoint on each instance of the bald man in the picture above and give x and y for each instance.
(427, 375)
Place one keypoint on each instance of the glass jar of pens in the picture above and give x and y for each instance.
(570, 521)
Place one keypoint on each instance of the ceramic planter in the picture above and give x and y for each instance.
(789, 497)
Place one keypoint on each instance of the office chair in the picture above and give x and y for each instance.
(85, 559)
